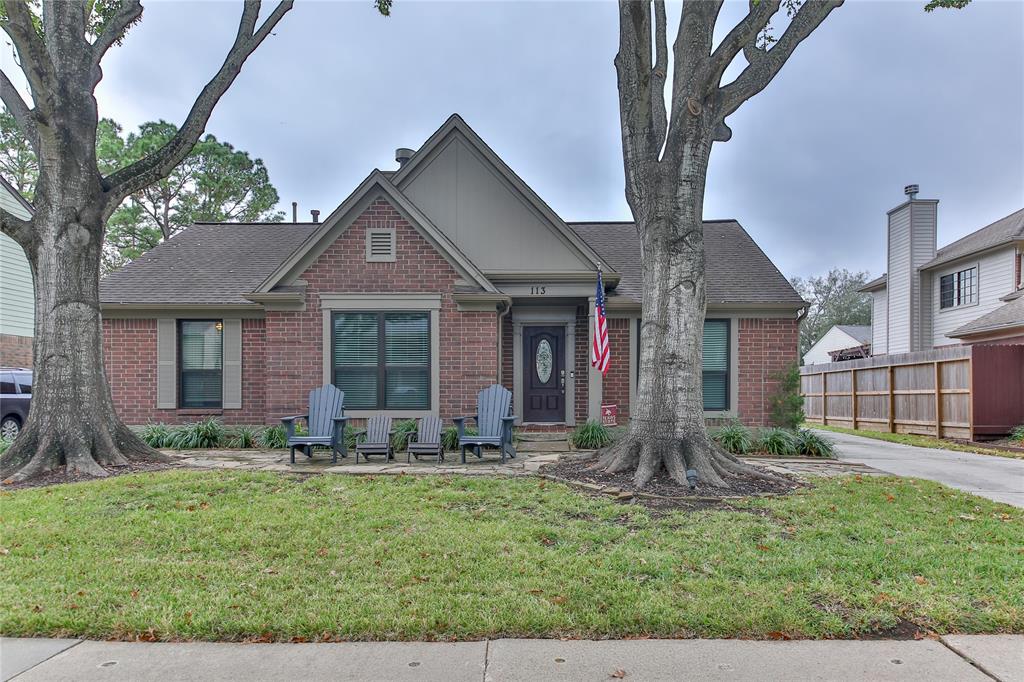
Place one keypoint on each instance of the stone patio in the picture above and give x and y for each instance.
(526, 464)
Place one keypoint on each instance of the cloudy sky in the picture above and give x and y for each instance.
(880, 96)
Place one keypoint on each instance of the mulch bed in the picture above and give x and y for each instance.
(60, 475)
(662, 492)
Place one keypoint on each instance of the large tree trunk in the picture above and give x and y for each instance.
(667, 428)
(72, 420)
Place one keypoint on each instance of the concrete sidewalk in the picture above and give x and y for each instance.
(962, 658)
(997, 478)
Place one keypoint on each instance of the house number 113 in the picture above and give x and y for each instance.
(537, 291)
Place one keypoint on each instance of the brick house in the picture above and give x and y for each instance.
(426, 284)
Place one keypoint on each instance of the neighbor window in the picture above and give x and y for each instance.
(715, 361)
(200, 345)
(958, 288)
(716, 364)
(382, 360)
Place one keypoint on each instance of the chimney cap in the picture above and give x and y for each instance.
(316, 215)
(403, 154)
(911, 191)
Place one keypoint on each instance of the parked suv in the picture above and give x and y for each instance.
(15, 396)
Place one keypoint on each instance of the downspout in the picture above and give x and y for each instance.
(506, 308)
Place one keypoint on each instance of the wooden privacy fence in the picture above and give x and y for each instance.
(953, 392)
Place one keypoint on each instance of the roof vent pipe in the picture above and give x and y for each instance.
(403, 154)
(316, 215)
(911, 191)
(295, 211)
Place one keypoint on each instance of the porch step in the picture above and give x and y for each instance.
(540, 436)
(561, 445)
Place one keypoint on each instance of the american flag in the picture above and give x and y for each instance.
(600, 354)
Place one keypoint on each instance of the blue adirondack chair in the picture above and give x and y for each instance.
(426, 440)
(326, 421)
(375, 439)
(493, 422)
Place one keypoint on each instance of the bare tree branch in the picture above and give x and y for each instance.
(766, 63)
(23, 116)
(114, 29)
(691, 52)
(17, 229)
(659, 112)
(35, 60)
(161, 162)
(740, 37)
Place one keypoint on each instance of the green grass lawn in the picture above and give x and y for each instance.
(920, 441)
(228, 556)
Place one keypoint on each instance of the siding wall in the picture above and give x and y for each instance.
(834, 339)
(16, 295)
(898, 285)
(995, 279)
(879, 322)
(923, 228)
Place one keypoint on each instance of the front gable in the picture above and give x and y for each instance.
(487, 211)
(374, 189)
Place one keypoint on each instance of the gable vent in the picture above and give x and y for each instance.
(380, 245)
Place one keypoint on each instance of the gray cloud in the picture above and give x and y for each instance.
(881, 96)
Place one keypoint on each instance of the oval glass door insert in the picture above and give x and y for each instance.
(544, 361)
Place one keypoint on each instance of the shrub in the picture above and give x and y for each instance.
(158, 435)
(1017, 435)
(590, 436)
(208, 433)
(786, 406)
(274, 437)
(403, 429)
(735, 437)
(776, 441)
(812, 445)
(450, 437)
(245, 437)
(4, 444)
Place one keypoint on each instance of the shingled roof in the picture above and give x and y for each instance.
(1004, 317)
(1003, 231)
(207, 263)
(219, 263)
(738, 271)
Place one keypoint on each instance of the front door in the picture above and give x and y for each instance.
(544, 374)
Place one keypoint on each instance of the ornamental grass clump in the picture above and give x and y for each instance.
(778, 442)
(158, 435)
(245, 437)
(1017, 435)
(590, 436)
(450, 437)
(208, 433)
(735, 438)
(810, 444)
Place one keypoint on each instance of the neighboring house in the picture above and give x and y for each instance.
(966, 292)
(839, 337)
(16, 292)
(426, 284)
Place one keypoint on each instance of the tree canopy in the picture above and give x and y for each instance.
(215, 183)
(835, 298)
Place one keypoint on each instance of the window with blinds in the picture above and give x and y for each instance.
(201, 350)
(716, 364)
(380, 244)
(715, 361)
(382, 360)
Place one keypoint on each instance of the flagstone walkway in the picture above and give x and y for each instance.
(526, 464)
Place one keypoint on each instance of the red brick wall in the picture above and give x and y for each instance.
(129, 349)
(468, 340)
(615, 386)
(15, 351)
(582, 352)
(767, 347)
(507, 351)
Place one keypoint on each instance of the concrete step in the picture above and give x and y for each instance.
(544, 446)
(540, 436)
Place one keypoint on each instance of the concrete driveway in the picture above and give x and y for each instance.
(997, 478)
